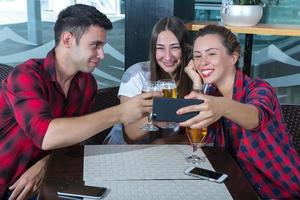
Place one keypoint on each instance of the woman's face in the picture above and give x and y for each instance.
(211, 59)
(168, 52)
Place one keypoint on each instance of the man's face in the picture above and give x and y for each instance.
(89, 52)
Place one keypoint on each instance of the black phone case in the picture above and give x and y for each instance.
(78, 191)
(164, 109)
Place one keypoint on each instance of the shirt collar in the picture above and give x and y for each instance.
(49, 65)
(238, 86)
(50, 68)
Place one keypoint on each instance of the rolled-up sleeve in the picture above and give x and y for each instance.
(261, 95)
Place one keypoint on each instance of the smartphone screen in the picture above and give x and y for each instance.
(82, 191)
(208, 174)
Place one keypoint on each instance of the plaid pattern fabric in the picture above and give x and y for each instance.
(265, 154)
(29, 99)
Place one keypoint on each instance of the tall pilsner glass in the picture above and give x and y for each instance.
(196, 137)
(169, 90)
(150, 86)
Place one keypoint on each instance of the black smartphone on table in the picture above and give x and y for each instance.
(81, 191)
(164, 109)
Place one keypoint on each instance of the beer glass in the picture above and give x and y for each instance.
(150, 86)
(169, 90)
(196, 136)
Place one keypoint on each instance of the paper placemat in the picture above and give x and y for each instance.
(137, 172)
(122, 162)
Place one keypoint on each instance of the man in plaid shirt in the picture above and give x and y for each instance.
(44, 103)
(249, 111)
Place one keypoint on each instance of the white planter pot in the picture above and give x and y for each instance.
(241, 15)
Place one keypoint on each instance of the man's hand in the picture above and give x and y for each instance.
(30, 181)
(137, 107)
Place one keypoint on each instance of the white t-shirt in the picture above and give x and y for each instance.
(131, 85)
(132, 80)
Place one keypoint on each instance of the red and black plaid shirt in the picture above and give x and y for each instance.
(29, 99)
(265, 154)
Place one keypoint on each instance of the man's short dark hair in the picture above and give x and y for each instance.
(77, 19)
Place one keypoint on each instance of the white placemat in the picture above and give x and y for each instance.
(136, 172)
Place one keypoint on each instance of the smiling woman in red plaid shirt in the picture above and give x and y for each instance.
(254, 131)
(43, 102)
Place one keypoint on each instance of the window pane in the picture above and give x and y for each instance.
(275, 58)
(29, 34)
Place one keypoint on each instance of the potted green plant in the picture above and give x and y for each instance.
(242, 12)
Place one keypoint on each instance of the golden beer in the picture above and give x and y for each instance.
(196, 135)
(169, 92)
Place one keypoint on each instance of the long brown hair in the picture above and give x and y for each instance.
(177, 27)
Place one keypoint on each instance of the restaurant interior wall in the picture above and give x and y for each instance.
(140, 18)
(26, 31)
(16, 45)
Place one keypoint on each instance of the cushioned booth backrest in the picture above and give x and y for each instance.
(4, 70)
(105, 98)
(291, 114)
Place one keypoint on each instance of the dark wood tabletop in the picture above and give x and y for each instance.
(66, 166)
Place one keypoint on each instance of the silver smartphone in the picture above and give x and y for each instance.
(205, 174)
(81, 191)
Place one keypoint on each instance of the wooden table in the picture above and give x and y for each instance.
(259, 29)
(66, 165)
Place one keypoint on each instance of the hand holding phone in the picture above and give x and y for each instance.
(81, 191)
(205, 174)
(164, 109)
